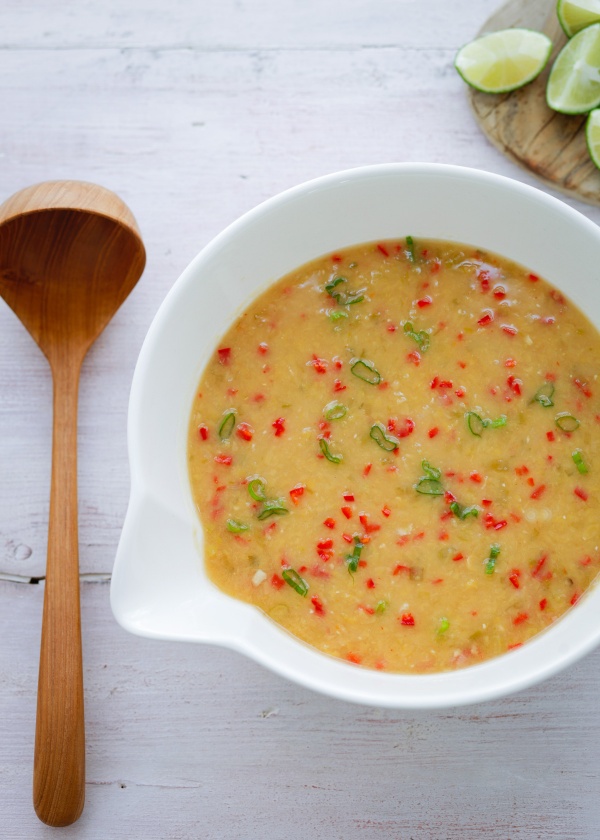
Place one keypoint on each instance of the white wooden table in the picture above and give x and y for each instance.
(195, 111)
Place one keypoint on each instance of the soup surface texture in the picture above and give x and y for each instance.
(393, 451)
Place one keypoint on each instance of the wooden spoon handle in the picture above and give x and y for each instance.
(59, 763)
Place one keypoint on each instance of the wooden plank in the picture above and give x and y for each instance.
(187, 741)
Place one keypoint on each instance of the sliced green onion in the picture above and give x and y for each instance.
(353, 559)
(421, 337)
(365, 370)
(497, 423)
(258, 489)
(343, 298)
(461, 511)
(335, 410)
(227, 424)
(429, 487)
(475, 423)
(443, 626)
(335, 459)
(490, 563)
(431, 472)
(544, 395)
(330, 286)
(235, 527)
(292, 577)
(381, 607)
(336, 314)
(272, 507)
(566, 422)
(579, 462)
(410, 248)
(382, 438)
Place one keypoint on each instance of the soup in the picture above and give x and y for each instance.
(392, 454)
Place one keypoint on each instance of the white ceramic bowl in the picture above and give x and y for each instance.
(159, 585)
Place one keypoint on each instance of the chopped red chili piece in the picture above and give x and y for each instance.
(557, 297)
(279, 426)
(400, 568)
(586, 561)
(486, 502)
(277, 582)
(510, 363)
(509, 329)
(348, 497)
(347, 511)
(263, 348)
(486, 319)
(537, 570)
(583, 387)
(476, 477)
(223, 459)
(320, 365)
(574, 599)
(383, 250)
(496, 524)
(391, 328)
(203, 432)
(407, 428)
(348, 538)
(531, 481)
(538, 492)
(534, 278)
(370, 584)
(550, 435)
(433, 432)
(367, 469)
(338, 385)
(543, 603)
(514, 646)
(520, 618)
(245, 431)
(407, 620)
(514, 384)
(424, 301)
(296, 492)
(499, 292)
(325, 543)
(317, 604)
(514, 578)
(370, 527)
(460, 392)
(581, 494)
(522, 470)
(329, 523)
(224, 355)
(459, 556)
(415, 357)
(385, 510)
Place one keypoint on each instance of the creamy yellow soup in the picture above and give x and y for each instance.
(393, 455)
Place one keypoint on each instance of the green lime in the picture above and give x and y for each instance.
(592, 136)
(574, 81)
(574, 15)
(503, 61)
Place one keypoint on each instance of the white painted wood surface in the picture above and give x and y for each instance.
(195, 111)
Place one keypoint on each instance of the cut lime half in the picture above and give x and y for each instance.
(592, 135)
(574, 15)
(574, 81)
(503, 61)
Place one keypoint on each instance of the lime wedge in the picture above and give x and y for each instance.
(574, 81)
(574, 15)
(503, 61)
(592, 136)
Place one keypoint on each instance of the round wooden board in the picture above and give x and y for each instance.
(520, 124)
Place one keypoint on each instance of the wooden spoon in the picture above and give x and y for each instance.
(70, 253)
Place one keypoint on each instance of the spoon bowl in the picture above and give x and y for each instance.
(70, 253)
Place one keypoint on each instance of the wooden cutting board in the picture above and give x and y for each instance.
(520, 124)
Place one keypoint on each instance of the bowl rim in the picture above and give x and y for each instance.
(299, 662)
